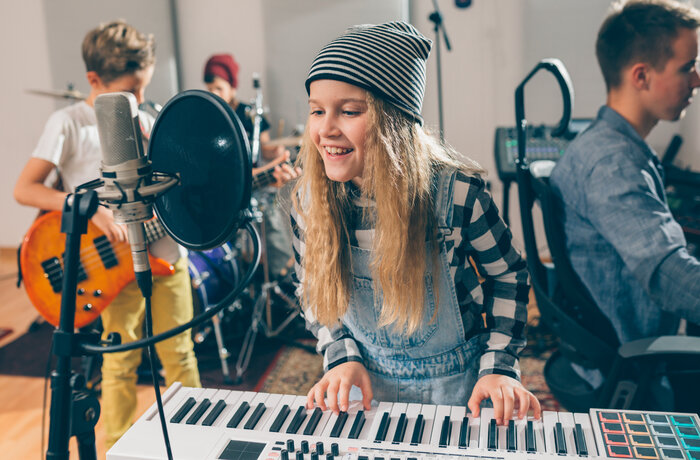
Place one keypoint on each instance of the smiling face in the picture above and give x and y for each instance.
(338, 114)
(671, 89)
(222, 88)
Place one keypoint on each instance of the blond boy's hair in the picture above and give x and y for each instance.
(115, 48)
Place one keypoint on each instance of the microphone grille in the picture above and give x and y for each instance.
(118, 127)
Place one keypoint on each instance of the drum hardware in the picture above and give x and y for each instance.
(261, 319)
(213, 274)
(68, 93)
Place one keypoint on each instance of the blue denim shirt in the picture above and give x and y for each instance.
(622, 240)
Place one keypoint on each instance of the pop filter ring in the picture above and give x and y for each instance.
(206, 210)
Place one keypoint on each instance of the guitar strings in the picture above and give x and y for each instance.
(90, 256)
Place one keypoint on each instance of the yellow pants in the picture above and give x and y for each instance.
(171, 306)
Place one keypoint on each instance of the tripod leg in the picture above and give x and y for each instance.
(249, 339)
(223, 352)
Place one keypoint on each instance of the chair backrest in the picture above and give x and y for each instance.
(585, 333)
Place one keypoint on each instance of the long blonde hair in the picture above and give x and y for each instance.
(400, 161)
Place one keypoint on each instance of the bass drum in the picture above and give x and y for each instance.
(214, 274)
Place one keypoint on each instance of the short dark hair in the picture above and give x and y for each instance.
(115, 48)
(641, 31)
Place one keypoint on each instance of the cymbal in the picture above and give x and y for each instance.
(289, 141)
(62, 94)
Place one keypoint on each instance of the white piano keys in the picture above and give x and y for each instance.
(428, 413)
(285, 399)
(396, 410)
(520, 429)
(549, 419)
(376, 422)
(474, 431)
(538, 428)
(457, 414)
(440, 413)
(412, 413)
(233, 402)
(567, 422)
(485, 416)
(588, 434)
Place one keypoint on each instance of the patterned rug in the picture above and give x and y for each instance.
(295, 370)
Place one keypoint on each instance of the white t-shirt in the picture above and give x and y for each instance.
(71, 142)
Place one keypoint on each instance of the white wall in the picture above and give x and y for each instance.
(25, 58)
(495, 43)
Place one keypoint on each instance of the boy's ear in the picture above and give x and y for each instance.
(94, 79)
(639, 75)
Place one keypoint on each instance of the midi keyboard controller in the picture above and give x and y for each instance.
(244, 425)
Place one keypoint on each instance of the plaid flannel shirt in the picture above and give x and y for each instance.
(494, 309)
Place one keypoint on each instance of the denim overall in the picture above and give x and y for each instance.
(434, 365)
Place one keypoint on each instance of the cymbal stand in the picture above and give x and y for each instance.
(263, 306)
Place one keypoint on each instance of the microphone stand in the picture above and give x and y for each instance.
(74, 411)
(257, 120)
(436, 18)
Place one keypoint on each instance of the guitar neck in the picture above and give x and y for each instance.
(265, 177)
(154, 230)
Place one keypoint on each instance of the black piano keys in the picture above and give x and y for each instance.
(400, 429)
(464, 433)
(198, 412)
(279, 420)
(383, 428)
(339, 424)
(313, 421)
(297, 420)
(184, 409)
(445, 432)
(238, 415)
(255, 416)
(215, 412)
(418, 428)
(357, 425)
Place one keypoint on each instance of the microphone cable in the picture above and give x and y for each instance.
(154, 376)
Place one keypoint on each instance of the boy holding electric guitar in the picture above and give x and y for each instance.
(117, 58)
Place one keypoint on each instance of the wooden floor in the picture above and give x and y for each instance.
(22, 397)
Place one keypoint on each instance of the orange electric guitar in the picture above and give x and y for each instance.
(105, 268)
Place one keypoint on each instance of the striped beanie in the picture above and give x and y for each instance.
(386, 59)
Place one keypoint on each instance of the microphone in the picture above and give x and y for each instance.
(124, 170)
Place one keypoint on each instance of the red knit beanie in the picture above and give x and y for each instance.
(223, 66)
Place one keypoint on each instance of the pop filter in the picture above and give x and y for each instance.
(199, 137)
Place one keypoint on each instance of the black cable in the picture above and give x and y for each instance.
(154, 375)
(201, 318)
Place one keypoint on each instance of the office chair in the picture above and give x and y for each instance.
(586, 336)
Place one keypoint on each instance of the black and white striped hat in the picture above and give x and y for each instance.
(387, 59)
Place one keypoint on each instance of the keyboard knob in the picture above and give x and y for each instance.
(329, 456)
(300, 455)
(284, 455)
(334, 449)
(290, 445)
(319, 448)
(314, 455)
(305, 446)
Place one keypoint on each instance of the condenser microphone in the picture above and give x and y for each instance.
(125, 170)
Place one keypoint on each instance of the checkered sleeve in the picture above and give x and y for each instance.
(489, 244)
(335, 343)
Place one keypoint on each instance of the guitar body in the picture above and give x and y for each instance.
(105, 269)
